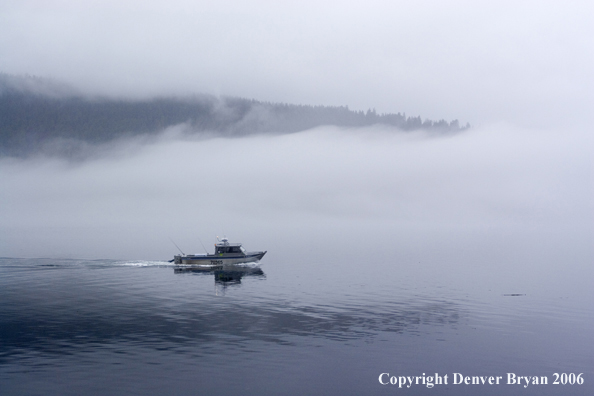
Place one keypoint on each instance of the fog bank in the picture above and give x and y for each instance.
(342, 186)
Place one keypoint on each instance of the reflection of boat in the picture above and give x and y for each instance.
(230, 274)
(225, 254)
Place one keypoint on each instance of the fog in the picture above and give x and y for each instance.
(527, 62)
(482, 191)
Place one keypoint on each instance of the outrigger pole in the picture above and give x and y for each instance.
(206, 251)
(178, 246)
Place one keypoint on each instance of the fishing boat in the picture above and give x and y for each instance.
(225, 254)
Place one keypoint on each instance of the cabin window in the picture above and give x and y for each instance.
(229, 249)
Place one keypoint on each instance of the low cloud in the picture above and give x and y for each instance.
(344, 185)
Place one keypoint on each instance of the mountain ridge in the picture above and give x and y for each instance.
(35, 112)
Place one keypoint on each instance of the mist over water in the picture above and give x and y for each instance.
(340, 185)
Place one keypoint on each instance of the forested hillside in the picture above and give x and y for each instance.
(35, 112)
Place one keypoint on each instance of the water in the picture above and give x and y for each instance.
(315, 324)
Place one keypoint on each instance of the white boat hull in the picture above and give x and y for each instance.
(214, 260)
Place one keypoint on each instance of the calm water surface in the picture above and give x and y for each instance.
(326, 322)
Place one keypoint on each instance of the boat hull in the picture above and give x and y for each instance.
(214, 260)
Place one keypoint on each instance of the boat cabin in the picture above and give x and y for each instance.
(229, 248)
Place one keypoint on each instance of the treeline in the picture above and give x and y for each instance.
(32, 114)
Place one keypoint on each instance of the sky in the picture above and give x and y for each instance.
(528, 63)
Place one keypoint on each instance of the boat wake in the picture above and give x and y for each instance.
(145, 263)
